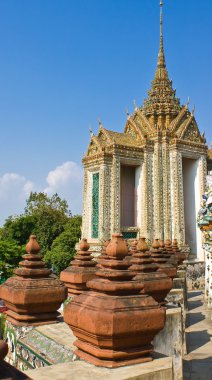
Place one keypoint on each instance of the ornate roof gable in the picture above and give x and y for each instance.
(191, 132)
(94, 147)
(134, 131)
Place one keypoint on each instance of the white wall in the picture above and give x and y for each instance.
(138, 194)
(191, 190)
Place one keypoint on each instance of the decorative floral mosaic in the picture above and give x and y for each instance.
(204, 219)
(95, 206)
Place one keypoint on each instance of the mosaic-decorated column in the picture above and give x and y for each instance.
(115, 196)
(177, 198)
(147, 196)
(202, 174)
(95, 206)
(158, 190)
(104, 202)
(166, 190)
(85, 205)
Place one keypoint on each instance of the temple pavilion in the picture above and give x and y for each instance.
(149, 180)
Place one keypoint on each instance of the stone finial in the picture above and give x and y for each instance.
(155, 284)
(142, 245)
(112, 309)
(32, 296)
(161, 259)
(117, 247)
(81, 270)
(178, 253)
(173, 259)
(32, 266)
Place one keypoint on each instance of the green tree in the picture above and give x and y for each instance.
(10, 255)
(63, 248)
(39, 201)
(51, 215)
(18, 228)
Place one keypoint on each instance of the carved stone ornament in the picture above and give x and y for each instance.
(34, 295)
(156, 284)
(161, 260)
(114, 324)
(81, 270)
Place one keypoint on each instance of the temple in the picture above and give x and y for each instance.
(148, 180)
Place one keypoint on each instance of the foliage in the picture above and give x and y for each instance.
(19, 228)
(50, 220)
(10, 255)
(51, 215)
(2, 324)
(39, 201)
(63, 247)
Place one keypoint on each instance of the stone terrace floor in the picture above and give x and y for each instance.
(198, 361)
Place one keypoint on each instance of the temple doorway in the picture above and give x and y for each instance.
(128, 196)
(191, 192)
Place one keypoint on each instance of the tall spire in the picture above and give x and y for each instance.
(161, 105)
(161, 56)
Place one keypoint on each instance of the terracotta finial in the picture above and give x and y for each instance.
(156, 284)
(142, 245)
(117, 247)
(105, 319)
(81, 270)
(181, 256)
(169, 249)
(156, 244)
(32, 297)
(32, 246)
(84, 246)
(161, 259)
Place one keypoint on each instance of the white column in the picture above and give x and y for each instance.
(177, 197)
(166, 190)
(87, 205)
(115, 196)
(104, 202)
(158, 190)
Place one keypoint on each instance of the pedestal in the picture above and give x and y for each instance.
(158, 369)
(176, 298)
(169, 341)
(180, 283)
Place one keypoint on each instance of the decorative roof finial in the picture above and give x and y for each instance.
(161, 56)
(99, 121)
(91, 132)
(127, 113)
(135, 106)
(188, 101)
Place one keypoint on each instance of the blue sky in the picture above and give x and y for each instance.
(64, 63)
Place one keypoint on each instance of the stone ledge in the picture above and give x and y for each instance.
(158, 369)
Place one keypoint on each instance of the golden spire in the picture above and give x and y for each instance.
(161, 101)
(161, 56)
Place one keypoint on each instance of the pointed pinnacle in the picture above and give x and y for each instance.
(91, 132)
(161, 56)
(135, 106)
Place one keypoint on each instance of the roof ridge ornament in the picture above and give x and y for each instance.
(161, 55)
(127, 112)
(135, 106)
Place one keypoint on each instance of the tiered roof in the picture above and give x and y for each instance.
(161, 113)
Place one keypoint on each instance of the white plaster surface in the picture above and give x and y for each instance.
(191, 189)
(158, 369)
(169, 341)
